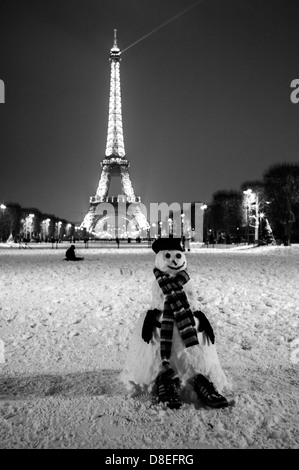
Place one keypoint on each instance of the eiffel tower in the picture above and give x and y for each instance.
(129, 219)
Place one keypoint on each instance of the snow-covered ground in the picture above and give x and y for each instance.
(67, 326)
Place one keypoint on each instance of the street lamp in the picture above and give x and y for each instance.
(148, 227)
(170, 225)
(256, 225)
(31, 217)
(77, 233)
(45, 225)
(154, 229)
(59, 224)
(261, 216)
(248, 197)
(48, 221)
(160, 229)
(182, 230)
(43, 229)
(203, 208)
(3, 207)
(68, 231)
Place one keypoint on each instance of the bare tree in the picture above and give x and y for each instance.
(281, 186)
(255, 211)
(225, 213)
(13, 214)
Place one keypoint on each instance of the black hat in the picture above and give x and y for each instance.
(167, 244)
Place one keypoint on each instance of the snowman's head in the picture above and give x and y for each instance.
(170, 261)
(170, 258)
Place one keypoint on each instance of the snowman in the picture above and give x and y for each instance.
(172, 352)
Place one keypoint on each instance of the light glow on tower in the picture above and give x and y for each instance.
(114, 165)
(115, 140)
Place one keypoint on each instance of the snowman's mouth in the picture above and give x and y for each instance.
(179, 267)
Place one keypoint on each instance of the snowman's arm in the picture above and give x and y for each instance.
(204, 325)
(150, 323)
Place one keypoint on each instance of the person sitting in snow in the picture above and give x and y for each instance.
(173, 351)
(70, 254)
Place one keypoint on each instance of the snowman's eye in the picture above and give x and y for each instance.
(178, 255)
(168, 255)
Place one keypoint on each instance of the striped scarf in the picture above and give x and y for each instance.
(176, 308)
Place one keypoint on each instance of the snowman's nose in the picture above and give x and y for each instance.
(174, 262)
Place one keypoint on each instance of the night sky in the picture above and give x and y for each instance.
(205, 98)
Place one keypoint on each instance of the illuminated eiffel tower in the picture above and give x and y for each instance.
(129, 219)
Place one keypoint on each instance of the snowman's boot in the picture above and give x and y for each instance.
(168, 389)
(207, 393)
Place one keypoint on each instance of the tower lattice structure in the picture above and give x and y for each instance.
(115, 164)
